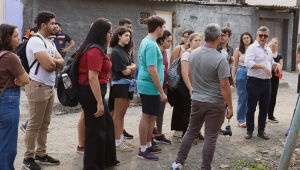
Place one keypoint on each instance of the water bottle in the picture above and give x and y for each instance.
(67, 81)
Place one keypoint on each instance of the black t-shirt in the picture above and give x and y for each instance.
(276, 60)
(119, 59)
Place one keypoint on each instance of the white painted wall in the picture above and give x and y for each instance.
(272, 2)
(2, 11)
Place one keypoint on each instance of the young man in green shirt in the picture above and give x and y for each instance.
(150, 81)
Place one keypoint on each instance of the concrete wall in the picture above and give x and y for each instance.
(77, 15)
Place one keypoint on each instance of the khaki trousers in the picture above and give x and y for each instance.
(40, 99)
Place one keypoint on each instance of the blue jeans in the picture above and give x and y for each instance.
(258, 91)
(9, 120)
(241, 83)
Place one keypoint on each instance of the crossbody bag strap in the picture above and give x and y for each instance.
(5, 86)
(9, 79)
(38, 65)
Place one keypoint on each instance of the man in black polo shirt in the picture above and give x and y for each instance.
(60, 39)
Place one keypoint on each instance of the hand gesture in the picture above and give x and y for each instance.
(100, 110)
(17, 82)
(267, 71)
(64, 50)
(163, 97)
(229, 113)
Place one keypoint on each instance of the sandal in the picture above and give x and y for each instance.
(242, 125)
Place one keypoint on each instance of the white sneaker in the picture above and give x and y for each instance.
(123, 147)
(128, 144)
(176, 166)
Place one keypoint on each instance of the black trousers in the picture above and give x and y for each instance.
(258, 91)
(186, 102)
(274, 89)
(177, 110)
(100, 150)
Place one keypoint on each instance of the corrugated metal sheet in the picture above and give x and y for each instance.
(282, 3)
(262, 5)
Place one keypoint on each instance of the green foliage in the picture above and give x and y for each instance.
(240, 164)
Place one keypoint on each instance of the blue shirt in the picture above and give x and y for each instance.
(149, 55)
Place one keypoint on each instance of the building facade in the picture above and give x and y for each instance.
(77, 15)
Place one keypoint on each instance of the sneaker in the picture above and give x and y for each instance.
(153, 142)
(287, 132)
(273, 120)
(177, 134)
(147, 155)
(24, 126)
(46, 160)
(154, 149)
(162, 139)
(123, 147)
(127, 135)
(30, 164)
(80, 149)
(129, 144)
(176, 166)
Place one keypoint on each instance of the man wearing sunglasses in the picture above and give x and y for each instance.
(259, 62)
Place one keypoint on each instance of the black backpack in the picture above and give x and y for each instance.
(22, 53)
(69, 97)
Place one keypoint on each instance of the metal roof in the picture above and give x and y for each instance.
(205, 2)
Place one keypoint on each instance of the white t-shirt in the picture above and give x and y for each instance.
(34, 45)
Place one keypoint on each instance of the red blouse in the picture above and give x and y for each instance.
(93, 60)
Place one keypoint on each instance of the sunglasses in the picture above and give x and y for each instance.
(263, 35)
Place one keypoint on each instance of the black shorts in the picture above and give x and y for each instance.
(150, 104)
(121, 91)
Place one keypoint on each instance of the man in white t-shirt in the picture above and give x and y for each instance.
(40, 91)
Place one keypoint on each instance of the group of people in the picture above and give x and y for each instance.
(105, 58)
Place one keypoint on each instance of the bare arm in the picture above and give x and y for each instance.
(129, 69)
(45, 60)
(95, 87)
(22, 79)
(235, 63)
(175, 54)
(71, 45)
(226, 93)
(59, 61)
(185, 72)
(155, 78)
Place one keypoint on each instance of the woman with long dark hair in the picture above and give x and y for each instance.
(93, 74)
(239, 75)
(12, 76)
(122, 75)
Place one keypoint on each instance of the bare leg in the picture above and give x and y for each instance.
(121, 106)
(144, 128)
(81, 130)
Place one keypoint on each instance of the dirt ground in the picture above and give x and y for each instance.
(231, 153)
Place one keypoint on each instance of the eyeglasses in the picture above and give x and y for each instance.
(263, 35)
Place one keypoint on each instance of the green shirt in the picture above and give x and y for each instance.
(149, 55)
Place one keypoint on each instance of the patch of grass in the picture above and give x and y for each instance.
(239, 164)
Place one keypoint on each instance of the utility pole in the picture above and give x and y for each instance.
(292, 138)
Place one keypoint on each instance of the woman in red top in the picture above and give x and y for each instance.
(93, 73)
